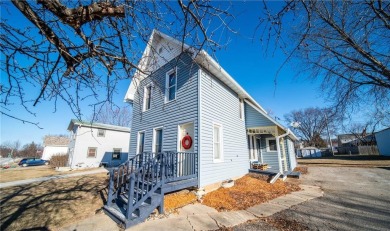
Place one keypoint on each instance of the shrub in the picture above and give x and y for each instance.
(59, 160)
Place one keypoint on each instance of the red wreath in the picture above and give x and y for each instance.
(186, 142)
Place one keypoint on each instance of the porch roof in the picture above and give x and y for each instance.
(274, 128)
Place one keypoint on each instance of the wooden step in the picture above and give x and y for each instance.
(140, 214)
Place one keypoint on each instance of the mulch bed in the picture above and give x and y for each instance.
(250, 190)
(173, 201)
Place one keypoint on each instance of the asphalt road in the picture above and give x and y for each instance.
(354, 199)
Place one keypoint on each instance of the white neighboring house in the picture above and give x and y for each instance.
(95, 144)
(55, 145)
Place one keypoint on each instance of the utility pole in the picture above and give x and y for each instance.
(327, 129)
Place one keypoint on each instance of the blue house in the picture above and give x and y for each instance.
(193, 125)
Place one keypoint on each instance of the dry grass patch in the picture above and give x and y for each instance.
(52, 204)
(173, 201)
(249, 190)
(23, 173)
(363, 161)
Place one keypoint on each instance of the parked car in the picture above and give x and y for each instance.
(32, 162)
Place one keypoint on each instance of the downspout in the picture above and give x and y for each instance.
(278, 149)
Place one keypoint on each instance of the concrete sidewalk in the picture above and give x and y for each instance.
(46, 178)
(201, 217)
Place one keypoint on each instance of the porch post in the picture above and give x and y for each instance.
(250, 147)
(279, 155)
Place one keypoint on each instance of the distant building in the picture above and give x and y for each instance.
(346, 140)
(383, 141)
(95, 144)
(54, 145)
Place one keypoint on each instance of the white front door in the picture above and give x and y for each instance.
(185, 165)
(184, 130)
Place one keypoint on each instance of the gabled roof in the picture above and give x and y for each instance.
(50, 140)
(173, 48)
(74, 122)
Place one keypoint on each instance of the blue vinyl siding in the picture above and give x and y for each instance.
(219, 104)
(254, 118)
(168, 115)
(271, 158)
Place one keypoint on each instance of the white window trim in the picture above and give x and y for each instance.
(144, 99)
(267, 144)
(220, 160)
(95, 152)
(154, 138)
(138, 136)
(242, 108)
(166, 100)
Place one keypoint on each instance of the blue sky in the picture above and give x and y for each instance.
(243, 58)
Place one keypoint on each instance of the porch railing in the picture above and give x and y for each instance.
(181, 166)
(175, 166)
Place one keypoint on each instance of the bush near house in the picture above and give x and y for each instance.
(59, 160)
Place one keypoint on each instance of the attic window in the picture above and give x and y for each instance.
(160, 50)
(101, 133)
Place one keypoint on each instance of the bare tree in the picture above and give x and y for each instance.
(364, 132)
(313, 123)
(78, 51)
(342, 43)
(31, 150)
(111, 114)
(10, 148)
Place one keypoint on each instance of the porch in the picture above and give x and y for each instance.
(271, 146)
(137, 187)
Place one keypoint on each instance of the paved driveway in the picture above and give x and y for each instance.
(354, 199)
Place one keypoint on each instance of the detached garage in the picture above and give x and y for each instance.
(383, 141)
(55, 145)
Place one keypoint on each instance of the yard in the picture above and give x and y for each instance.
(23, 173)
(347, 160)
(52, 204)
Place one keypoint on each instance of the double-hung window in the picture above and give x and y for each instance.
(171, 86)
(217, 143)
(157, 139)
(147, 97)
(141, 142)
(271, 144)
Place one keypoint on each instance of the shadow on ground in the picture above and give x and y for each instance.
(44, 205)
